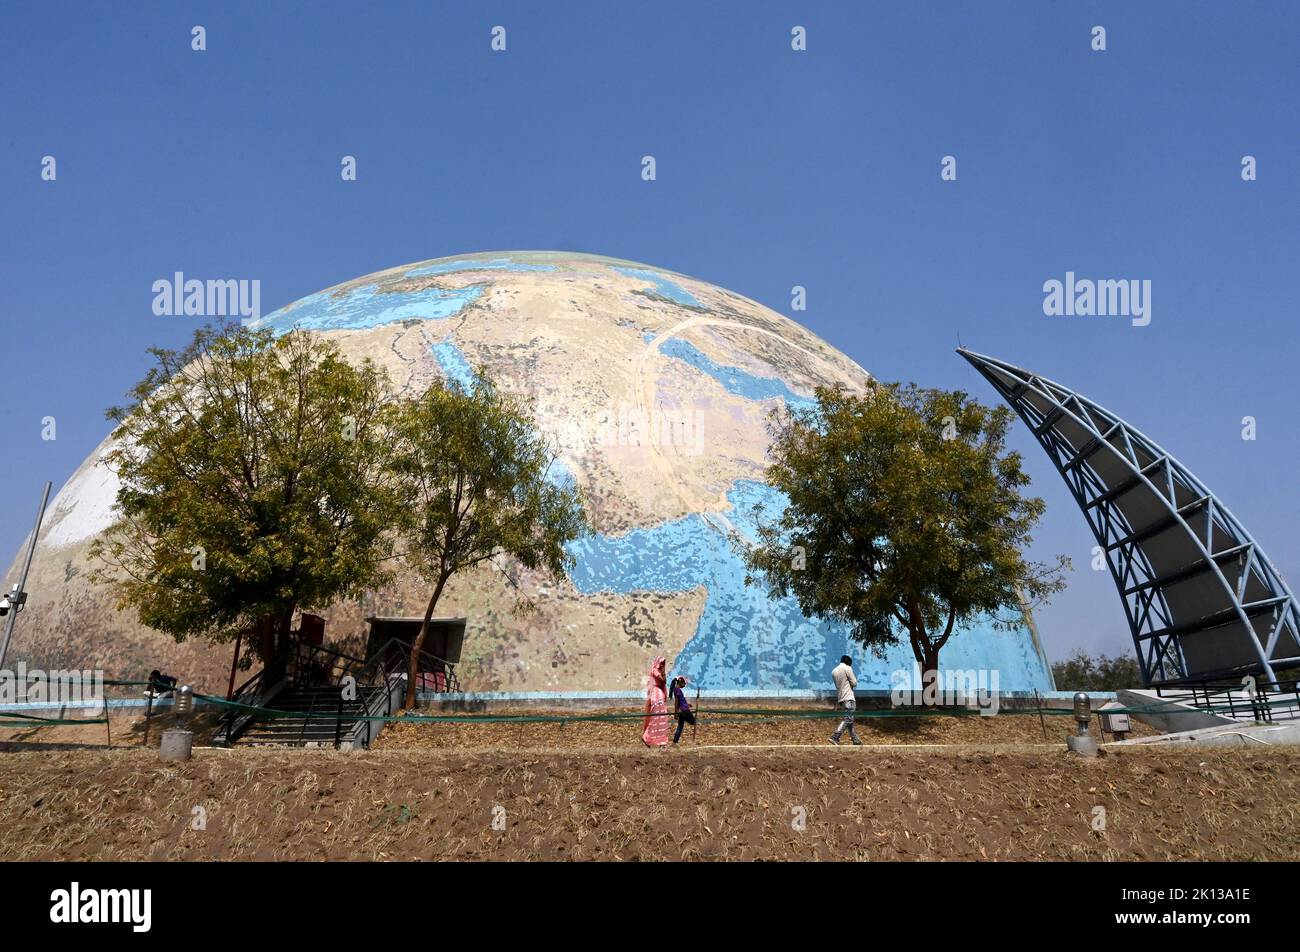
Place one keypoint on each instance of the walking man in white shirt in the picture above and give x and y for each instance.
(845, 682)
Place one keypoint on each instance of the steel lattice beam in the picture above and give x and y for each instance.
(1202, 599)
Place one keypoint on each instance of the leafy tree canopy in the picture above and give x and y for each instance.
(478, 482)
(253, 483)
(905, 517)
(1082, 672)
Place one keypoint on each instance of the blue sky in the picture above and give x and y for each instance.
(775, 168)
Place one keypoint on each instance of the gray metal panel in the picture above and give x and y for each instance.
(1170, 550)
(1107, 463)
(1192, 599)
(1218, 649)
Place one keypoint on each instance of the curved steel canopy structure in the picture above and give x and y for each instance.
(1202, 599)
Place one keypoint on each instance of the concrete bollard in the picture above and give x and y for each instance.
(1084, 746)
(176, 745)
(1082, 743)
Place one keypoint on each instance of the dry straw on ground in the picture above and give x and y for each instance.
(974, 802)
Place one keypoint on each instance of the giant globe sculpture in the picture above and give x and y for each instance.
(655, 389)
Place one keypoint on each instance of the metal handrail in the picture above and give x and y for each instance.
(302, 731)
(381, 699)
(1262, 704)
(392, 660)
(252, 687)
(249, 693)
(297, 666)
(376, 678)
(303, 654)
(401, 659)
(448, 669)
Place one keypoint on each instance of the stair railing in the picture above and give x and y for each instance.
(1270, 699)
(307, 665)
(379, 679)
(332, 665)
(302, 732)
(252, 693)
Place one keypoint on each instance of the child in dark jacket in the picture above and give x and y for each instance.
(681, 706)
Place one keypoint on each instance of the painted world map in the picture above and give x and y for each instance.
(655, 389)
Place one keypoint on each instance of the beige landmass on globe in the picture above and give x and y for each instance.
(648, 437)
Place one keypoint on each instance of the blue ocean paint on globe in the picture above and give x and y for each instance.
(740, 382)
(469, 264)
(664, 286)
(743, 638)
(559, 475)
(366, 307)
(451, 359)
(746, 640)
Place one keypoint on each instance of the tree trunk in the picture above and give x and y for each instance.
(266, 639)
(927, 656)
(931, 664)
(412, 670)
(234, 666)
(926, 651)
(283, 630)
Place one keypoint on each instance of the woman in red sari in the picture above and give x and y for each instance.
(655, 732)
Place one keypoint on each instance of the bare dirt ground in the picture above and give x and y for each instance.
(122, 731)
(974, 802)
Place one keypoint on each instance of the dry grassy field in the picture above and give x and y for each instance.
(718, 730)
(974, 789)
(574, 733)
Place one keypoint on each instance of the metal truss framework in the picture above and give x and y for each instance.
(1202, 599)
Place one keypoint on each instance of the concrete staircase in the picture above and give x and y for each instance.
(314, 696)
(316, 717)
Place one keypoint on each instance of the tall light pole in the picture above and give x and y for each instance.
(18, 596)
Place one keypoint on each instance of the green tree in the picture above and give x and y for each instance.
(253, 483)
(476, 482)
(904, 519)
(1082, 672)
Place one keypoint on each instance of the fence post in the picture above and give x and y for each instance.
(148, 712)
